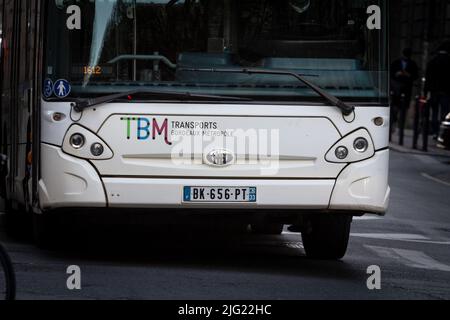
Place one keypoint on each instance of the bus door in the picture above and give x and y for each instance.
(7, 85)
(3, 169)
(17, 93)
(26, 73)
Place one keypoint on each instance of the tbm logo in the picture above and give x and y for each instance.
(146, 128)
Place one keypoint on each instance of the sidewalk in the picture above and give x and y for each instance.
(433, 150)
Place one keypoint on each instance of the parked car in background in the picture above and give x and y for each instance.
(444, 136)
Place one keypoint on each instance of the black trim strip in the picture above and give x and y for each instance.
(335, 183)
(51, 144)
(291, 100)
(382, 149)
(103, 183)
(215, 178)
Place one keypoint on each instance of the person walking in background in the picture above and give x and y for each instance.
(404, 72)
(437, 86)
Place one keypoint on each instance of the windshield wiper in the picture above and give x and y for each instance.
(345, 108)
(83, 104)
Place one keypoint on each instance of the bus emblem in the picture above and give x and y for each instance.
(220, 158)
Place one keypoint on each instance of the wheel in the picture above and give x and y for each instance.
(267, 228)
(7, 277)
(17, 222)
(43, 231)
(326, 236)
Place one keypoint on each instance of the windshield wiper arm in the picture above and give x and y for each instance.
(83, 104)
(345, 108)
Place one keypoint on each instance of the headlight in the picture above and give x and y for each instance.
(97, 149)
(447, 118)
(77, 141)
(354, 147)
(341, 153)
(361, 145)
(85, 144)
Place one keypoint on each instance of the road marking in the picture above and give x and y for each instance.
(405, 237)
(367, 217)
(288, 233)
(390, 236)
(410, 258)
(399, 237)
(417, 238)
(294, 245)
(427, 176)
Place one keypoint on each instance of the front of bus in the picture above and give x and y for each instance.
(263, 107)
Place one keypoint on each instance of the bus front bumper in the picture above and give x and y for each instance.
(69, 182)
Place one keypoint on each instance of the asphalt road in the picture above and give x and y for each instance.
(411, 246)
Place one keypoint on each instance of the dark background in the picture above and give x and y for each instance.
(421, 25)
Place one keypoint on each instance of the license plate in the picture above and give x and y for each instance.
(220, 194)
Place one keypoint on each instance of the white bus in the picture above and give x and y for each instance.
(270, 112)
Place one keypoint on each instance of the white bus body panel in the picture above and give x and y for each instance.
(68, 181)
(291, 148)
(363, 186)
(143, 174)
(168, 193)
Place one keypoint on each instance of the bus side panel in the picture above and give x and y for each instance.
(8, 85)
(36, 110)
(18, 81)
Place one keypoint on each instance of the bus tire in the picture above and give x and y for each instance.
(43, 231)
(326, 237)
(267, 228)
(17, 222)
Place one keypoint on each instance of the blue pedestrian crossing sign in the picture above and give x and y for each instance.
(62, 88)
(48, 88)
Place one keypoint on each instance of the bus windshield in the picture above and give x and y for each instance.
(111, 46)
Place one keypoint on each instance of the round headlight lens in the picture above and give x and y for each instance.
(447, 117)
(97, 149)
(341, 153)
(77, 141)
(361, 145)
